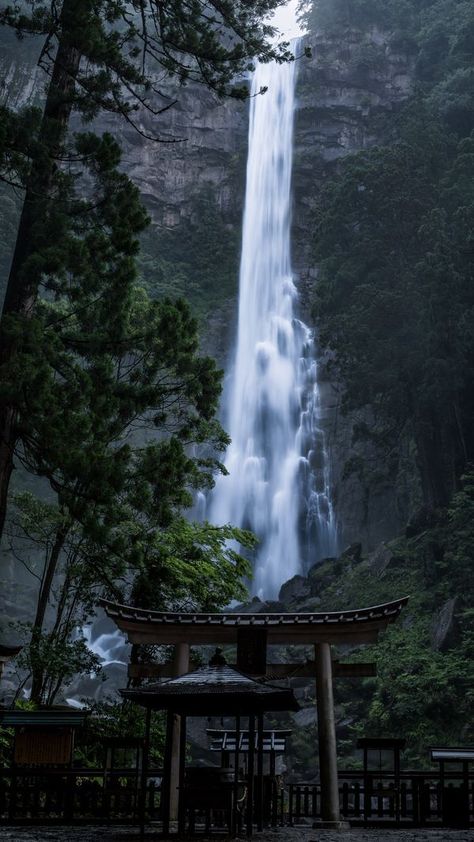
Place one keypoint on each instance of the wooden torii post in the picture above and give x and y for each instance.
(253, 633)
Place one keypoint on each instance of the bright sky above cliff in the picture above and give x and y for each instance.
(285, 20)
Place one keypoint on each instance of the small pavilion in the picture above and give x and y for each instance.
(253, 633)
(216, 690)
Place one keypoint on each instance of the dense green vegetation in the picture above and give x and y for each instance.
(424, 684)
(197, 259)
(104, 394)
(393, 238)
(115, 408)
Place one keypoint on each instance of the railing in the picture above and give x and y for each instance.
(77, 795)
(416, 798)
(39, 796)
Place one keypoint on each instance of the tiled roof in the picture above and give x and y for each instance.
(213, 688)
(361, 625)
(387, 611)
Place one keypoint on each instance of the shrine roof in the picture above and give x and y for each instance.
(213, 690)
(356, 626)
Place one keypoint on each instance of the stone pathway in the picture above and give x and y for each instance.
(287, 834)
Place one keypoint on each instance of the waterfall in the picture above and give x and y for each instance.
(278, 482)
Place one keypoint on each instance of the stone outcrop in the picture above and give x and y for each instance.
(294, 590)
(445, 629)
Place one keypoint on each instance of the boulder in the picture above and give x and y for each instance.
(322, 574)
(310, 605)
(353, 552)
(305, 718)
(382, 559)
(295, 589)
(445, 628)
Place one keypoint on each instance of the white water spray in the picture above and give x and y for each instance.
(278, 483)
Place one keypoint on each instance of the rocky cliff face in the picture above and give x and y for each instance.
(344, 91)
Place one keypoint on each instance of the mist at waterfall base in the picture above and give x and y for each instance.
(278, 482)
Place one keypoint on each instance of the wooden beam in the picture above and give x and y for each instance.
(362, 670)
(275, 671)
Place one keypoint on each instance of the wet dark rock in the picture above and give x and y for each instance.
(353, 552)
(382, 559)
(423, 519)
(294, 590)
(252, 607)
(321, 575)
(305, 718)
(445, 628)
(310, 605)
(271, 607)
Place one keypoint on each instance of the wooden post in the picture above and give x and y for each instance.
(260, 790)
(165, 785)
(251, 773)
(181, 789)
(235, 799)
(327, 735)
(180, 666)
(143, 788)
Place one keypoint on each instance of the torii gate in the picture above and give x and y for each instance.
(253, 633)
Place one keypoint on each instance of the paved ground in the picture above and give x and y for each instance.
(306, 834)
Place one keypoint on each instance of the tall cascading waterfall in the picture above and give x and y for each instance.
(278, 482)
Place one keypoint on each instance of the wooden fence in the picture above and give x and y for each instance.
(76, 795)
(415, 799)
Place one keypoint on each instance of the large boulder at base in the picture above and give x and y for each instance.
(382, 559)
(353, 552)
(294, 590)
(322, 574)
(306, 717)
(445, 628)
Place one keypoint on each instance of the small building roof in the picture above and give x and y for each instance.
(48, 718)
(217, 690)
(453, 754)
(359, 626)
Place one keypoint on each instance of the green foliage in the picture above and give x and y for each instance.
(127, 49)
(392, 236)
(122, 720)
(198, 258)
(334, 16)
(421, 694)
(115, 408)
(58, 657)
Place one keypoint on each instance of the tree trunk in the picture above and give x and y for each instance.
(440, 456)
(43, 599)
(22, 288)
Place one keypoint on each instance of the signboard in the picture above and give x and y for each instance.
(43, 747)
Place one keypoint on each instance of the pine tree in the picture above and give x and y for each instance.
(106, 55)
(115, 409)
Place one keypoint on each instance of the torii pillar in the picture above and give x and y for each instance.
(180, 667)
(330, 812)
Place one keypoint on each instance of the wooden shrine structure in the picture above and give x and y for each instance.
(253, 633)
(215, 690)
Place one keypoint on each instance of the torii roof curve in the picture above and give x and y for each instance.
(161, 627)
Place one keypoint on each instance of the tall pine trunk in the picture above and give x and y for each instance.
(38, 674)
(22, 287)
